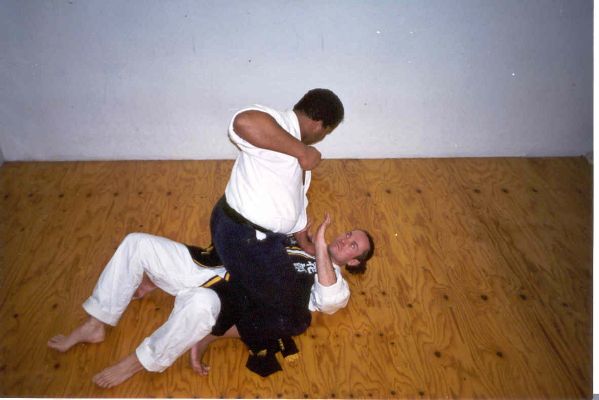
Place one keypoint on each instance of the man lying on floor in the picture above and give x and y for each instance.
(208, 303)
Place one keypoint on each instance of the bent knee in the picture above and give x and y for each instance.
(203, 300)
(135, 237)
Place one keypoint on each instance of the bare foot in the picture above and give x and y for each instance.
(197, 352)
(91, 331)
(201, 368)
(145, 287)
(119, 372)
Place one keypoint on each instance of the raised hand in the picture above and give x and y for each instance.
(324, 265)
(319, 239)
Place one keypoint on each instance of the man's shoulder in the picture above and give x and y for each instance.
(258, 107)
(285, 118)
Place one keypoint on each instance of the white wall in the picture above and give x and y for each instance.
(154, 79)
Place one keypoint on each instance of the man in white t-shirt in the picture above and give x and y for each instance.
(265, 198)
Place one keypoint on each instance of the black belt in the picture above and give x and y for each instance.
(240, 219)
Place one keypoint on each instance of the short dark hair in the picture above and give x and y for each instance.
(363, 258)
(321, 105)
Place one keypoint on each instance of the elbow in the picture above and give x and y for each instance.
(242, 124)
(330, 309)
(240, 121)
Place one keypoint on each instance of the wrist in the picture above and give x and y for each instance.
(301, 150)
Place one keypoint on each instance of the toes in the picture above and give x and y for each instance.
(58, 343)
(204, 369)
(197, 369)
(96, 380)
(102, 381)
(56, 339)
(201, 369)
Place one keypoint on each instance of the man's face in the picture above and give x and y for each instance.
(346, 247)
(316, 133)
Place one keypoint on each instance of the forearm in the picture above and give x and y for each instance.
(324, 265)
(261, 130)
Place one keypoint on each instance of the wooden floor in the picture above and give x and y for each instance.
(480, 287)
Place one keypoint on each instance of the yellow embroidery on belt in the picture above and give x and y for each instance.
(215, 279)
(212, 281)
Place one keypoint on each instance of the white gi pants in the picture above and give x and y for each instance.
(169, 265)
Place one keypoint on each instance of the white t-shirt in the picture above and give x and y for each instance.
(266, 186)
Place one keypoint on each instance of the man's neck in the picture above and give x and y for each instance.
(303, 121)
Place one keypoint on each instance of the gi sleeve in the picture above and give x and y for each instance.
(329, 299)
(241, 143)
